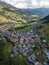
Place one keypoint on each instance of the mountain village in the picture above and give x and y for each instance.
(27, 44)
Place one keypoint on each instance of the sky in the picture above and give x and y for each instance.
(29, 3)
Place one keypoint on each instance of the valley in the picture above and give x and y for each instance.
(24, 37)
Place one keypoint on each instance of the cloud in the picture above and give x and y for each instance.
(44, 3)
(22, 5)
(29, 3)
(40, 3)
(34, 3)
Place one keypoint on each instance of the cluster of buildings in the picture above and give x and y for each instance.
(24, 44)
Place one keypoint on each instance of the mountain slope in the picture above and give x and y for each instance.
(9, 13)
(45, 19)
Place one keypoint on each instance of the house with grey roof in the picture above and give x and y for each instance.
(46, 55)
(38, 63)
(31, 58)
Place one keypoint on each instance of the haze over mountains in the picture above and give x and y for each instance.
(42, 12)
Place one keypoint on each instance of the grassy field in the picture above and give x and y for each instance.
(23, 28)
(7, 47)
(44, 32)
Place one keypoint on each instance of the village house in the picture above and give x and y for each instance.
(15, 50)
(46, 55)
(12, 55)
(11, 36)
(21, 40)
(44, 41)
(31, 58)
(4, 39)
(46, 63)
(20, 48)
(25, 51)
(37, 63)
